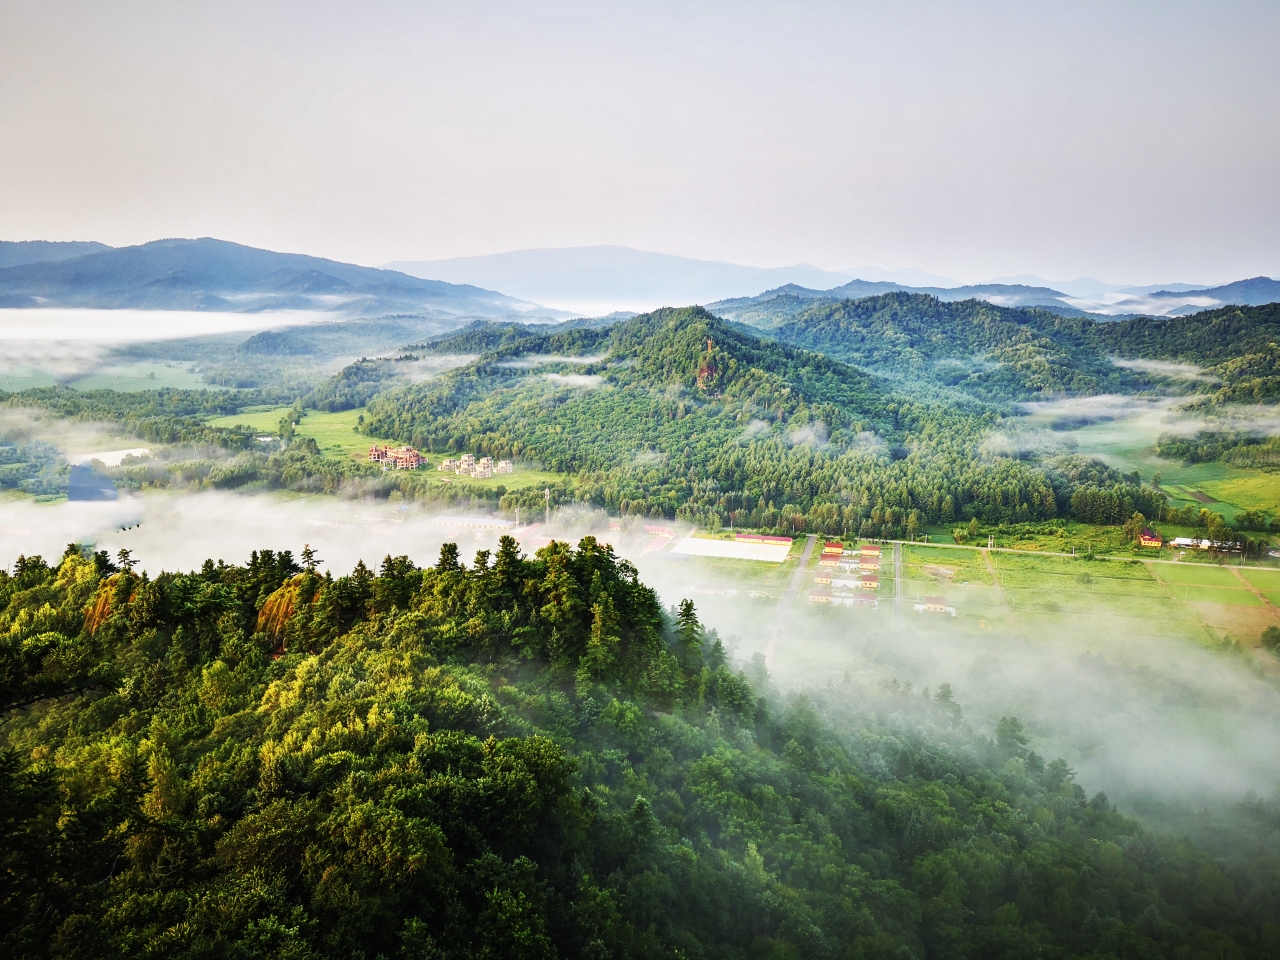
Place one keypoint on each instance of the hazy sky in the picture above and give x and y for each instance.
(1135, 142)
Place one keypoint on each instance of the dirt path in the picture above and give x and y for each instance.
(1186, 607)
(995, 579)
(899, 618)
(789, 598)
(1271, 607)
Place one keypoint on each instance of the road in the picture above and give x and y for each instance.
(789, 598)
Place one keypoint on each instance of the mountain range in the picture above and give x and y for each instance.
(216, 275)
(603, 278)
(773, 307)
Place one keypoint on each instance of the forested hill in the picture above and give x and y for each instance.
(679, 413)
(1006, 353)
(993, 352)
(525, 757)
(1238, 345)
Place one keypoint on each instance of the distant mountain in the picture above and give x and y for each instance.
(209, 274)
(599, 279)
(14, 253)
(773, 307)
(1088, 287)
(1178, 300)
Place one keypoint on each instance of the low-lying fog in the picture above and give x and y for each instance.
(1145, 718)
(65, 342)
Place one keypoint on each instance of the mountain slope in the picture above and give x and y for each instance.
(679, 413)
(1238, 345)
(993, 352)
(209, 274)
(16, 253)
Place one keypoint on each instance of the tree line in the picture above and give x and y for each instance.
(524, 756)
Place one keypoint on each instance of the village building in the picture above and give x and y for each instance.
(870, 582)
(822, 577)
(760, 538)
(398, 458)
(935, 605)
(468, 466)
(1149, 538)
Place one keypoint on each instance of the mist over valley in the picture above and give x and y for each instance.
(639, 482)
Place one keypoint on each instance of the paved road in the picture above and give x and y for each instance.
(789, 598)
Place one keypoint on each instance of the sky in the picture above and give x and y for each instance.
(1132, 142)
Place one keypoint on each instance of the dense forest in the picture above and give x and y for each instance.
(525, 757)
(679, 413)
(1006, 353)
(992, 352)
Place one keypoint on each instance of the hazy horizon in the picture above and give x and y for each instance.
(1138, 145)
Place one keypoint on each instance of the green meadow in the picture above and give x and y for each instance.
(1130, 445)
(1031, 594)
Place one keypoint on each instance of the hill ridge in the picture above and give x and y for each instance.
(211, 274)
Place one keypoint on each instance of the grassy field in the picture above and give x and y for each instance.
(1264, 580)
(1248, 490)
(1209, 575)
(1130, 445)
(127, 378)
(132, 377)
(1030, 594)
(25, 378)
(334, 433)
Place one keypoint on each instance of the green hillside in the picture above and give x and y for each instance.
(524, 757)
(992, 352)
(1235, 344)
(677, 412)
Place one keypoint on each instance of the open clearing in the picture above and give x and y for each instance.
(144, 375)
(1202, 603)
(1198, 573)
(1264, 580)
(1249, 490)
(334, 433)
(1130, 445)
